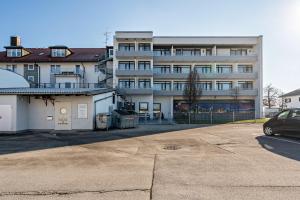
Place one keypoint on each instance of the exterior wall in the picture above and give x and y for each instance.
(90, 76)
(12, 101)
(166, 106)
(22, 113)
(38, 113)
(221, 50)
(295, 102)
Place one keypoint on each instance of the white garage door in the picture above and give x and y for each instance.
(5, 118)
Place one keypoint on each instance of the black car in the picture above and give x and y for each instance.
(285, 122)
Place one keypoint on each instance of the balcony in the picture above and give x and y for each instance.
(134, 54)
(135, 91)
(68, 73)
(212, 76)
(219, 59)
(121, 72)
(253, 92)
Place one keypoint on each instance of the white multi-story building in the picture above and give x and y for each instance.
(151, 72)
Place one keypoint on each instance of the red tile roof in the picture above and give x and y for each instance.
(43, 55)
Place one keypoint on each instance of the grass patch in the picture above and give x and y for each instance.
(255, 121)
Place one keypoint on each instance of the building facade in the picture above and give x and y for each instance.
(151, 72)
(292, 99)
(55, 88)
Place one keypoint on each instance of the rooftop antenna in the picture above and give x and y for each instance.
(107, 35)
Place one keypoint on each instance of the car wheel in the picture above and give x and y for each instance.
(268, 131)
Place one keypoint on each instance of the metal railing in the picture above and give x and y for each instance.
(67, 85)
(212, 117)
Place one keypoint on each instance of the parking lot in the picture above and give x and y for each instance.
(232, 161)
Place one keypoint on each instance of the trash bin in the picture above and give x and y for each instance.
(125, 119)
(103, 121)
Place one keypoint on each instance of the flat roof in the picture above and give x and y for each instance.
(54, 91)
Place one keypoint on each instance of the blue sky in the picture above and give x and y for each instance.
(82, 23)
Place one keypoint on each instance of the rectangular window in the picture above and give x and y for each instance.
(179, 86)
(165, 85)
(144, 47)
(156, 107)
(143, 107)
(126, 46)
(182, 69)
(30, 67)
(58, 52)
(67, 85)
(14, 52)
(55, 69)
(12, 68)
(30, 78)
(144, 65)
(110, 53)
(162, 69)
(288, 100)
(238, 52)
(126, 83)
(162, 52)
(224, 69)
(77, 69)
(245, 85)
(203, 69)
(245, 68)
(207, 85)
(126, 65)
(144, 83)
(224, 85)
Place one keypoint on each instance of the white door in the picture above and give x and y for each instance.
(63, 116)
(5, 118)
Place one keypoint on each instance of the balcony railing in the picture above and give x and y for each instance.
(135, 90)
(68, 85)
(68, 73)
(121, 72)
(233, 75)
(231, 93)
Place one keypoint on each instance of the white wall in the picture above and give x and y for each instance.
(295, 103)
(166, 105)
(10, 100)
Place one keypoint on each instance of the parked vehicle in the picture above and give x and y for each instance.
(285, 122)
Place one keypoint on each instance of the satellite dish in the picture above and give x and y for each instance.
(9, 79)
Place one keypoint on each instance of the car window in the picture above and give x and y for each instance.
(283, 115)
(295, 114)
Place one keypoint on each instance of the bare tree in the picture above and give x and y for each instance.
(193, 90)
(271, 95)
(235, 93)
(281, 102)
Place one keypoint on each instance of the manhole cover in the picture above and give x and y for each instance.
(172, 147)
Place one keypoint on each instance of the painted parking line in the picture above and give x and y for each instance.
(280, 139)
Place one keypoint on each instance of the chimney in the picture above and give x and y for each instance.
(15, 41)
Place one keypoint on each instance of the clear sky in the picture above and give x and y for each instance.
(82, 23)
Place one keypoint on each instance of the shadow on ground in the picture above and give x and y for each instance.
(280, 145)
(45, 140)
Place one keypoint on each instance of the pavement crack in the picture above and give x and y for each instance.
(62, 192)
(153, 176)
